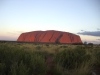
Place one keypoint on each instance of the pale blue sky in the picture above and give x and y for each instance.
(17, 16)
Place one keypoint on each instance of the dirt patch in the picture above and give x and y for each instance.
(50, 64)
(97, 70)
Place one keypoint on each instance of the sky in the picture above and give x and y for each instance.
(81, 17)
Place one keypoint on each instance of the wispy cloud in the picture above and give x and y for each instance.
(91, 33)
(82, 30)
(98, 28)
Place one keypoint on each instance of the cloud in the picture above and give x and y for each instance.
(91, 33)
(82, 30)
(98, 39)
(98, 28)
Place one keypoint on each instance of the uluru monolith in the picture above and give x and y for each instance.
(50, 36)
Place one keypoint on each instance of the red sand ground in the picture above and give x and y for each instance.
(49, 63)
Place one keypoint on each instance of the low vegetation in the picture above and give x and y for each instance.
(14, 60)
(30, 59)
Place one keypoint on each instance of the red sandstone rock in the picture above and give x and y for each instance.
(50, 36)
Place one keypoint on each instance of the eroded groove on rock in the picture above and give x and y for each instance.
(50, 36)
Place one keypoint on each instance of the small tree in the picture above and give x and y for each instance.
(85, 43)
(90, 44)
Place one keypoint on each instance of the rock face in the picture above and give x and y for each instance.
(50, 36)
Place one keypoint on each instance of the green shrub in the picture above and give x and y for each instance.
(19, 69)
(71, 58)
(2, 68)
(38, 47)
(47, 45)
(63, 46)
(97, 57)
(17, 61)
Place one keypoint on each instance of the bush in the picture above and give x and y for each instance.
(47, 45)
(38, 47)
(63, 46)
(97, 57)
(71, 59)
(17, 61)
(2, 68)
(19, 69)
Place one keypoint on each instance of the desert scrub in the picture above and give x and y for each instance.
(97, 57)
(38, 47)
(73, 62)
(2, 68)
(71, 59)
(17, 61)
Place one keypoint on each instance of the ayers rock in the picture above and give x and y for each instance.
(50, 36)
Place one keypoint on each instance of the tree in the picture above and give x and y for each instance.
(85, 43)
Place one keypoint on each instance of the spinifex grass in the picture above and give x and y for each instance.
(30, 59)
